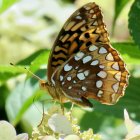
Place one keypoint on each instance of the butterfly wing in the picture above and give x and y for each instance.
(97, 72)
(83, 28)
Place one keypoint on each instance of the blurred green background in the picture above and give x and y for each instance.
(27, 32)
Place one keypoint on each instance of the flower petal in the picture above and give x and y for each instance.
(134, 134)
(72, 137)
(23, 136)
(60, 124)
(128, 123)
(7, 131)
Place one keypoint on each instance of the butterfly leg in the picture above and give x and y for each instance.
(71, 109)
(62, 108)
(43, 114)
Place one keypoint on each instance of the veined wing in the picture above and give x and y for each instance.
(83, 28)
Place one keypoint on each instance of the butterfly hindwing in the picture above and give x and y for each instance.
(96, 72)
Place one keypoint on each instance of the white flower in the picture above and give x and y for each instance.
(72, 137)
(133, 129)
(60, 124)
(48, 138)
(23, 136)
(8, 132)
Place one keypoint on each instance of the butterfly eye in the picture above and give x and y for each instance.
(82, 62)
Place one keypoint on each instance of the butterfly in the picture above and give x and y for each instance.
(82, 64)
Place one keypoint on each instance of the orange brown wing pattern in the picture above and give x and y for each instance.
(84, 28)
(97, 72)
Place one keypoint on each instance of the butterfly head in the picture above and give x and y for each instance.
(43, 85)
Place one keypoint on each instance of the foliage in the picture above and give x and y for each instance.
(119, 5)
(134, 21)
(36, 27)
(5, 4)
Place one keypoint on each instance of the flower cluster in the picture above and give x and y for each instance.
(61, 126)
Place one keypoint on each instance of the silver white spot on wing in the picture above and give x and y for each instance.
(84, 88)
(110, 57)
(67, 67)
(76, 67)
(78, 56)
(81, 70)
(100, 93)
(69, 78)
(63, 83)
(115, 66)
(91, 11)
(74, 81)
(94, 62)
(81, 76)
(102, 74)
(94, 16)
(101, 66)
(87, 59)
(102, 50)
(118, 76)
(86, 73)
(61, 78)
(78, 17)
(92, 48)
(99, 84)
(70, 87)
(115, 86)
(95, 23)
(87, 8)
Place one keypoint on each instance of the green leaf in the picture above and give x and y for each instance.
(129, 51)
(21, 99)
(119, 5)
(25, 107)
(35, 61)
(5, 4)
(8, 71)
(134, 21)
(29, 59)
(41, 59)
(4, 94)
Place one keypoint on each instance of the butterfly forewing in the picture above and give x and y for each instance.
(96, 72)
(83, 28)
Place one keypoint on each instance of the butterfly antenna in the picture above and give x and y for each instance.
(31, 73)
